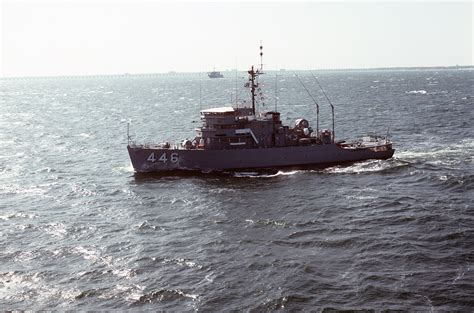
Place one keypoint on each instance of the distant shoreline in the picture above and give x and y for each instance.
(229, 72)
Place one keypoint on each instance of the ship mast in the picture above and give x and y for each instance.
(253, 78)
(253, 85)
(330, 103)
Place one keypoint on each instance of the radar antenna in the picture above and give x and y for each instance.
(330, 103)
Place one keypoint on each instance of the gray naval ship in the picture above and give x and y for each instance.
(215, 74)
(239, 139)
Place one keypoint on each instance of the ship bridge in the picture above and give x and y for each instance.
(230, 128)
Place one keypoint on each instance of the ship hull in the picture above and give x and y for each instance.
(153, 159)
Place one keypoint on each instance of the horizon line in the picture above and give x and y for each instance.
(281, 70)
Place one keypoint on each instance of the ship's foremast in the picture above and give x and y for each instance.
(253, 79)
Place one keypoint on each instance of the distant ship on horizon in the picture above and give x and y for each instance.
(215, 74)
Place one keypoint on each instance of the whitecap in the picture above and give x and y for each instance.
(182, 262)
(131, 293)
(21, 286)
(125, 273)
(222, 190)
(147, 225)
(210, 277)
(260, 175)
(86, 253)
(454, 150)
(76, 189)
(415, 92)
(267, 222)
(360, 197)
(360, 167)
(85, 135)
(56, 229)
(192, 296)
(124, 169)
(10, 216)
(17, 189)
(134, 296)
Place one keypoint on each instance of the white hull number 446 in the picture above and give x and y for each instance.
(173, 158)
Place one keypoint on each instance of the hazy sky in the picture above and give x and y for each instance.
(73, 38)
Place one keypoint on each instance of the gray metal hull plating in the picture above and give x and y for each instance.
(150, 159)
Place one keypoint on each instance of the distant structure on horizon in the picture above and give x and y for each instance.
(215, 74)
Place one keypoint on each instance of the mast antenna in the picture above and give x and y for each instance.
(314, 100)
(200, 91)
(253, 80)
(330, 103)
(236, 89)
(276, 93)
(252, 84)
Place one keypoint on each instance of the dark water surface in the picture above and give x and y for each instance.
(79, 230)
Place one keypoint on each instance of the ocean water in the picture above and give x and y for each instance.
(79, 230)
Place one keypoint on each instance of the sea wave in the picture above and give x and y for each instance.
(416, 92)
(32, 286)
(369, 166)
(164, 295)
(263, 175)
(81, 231)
